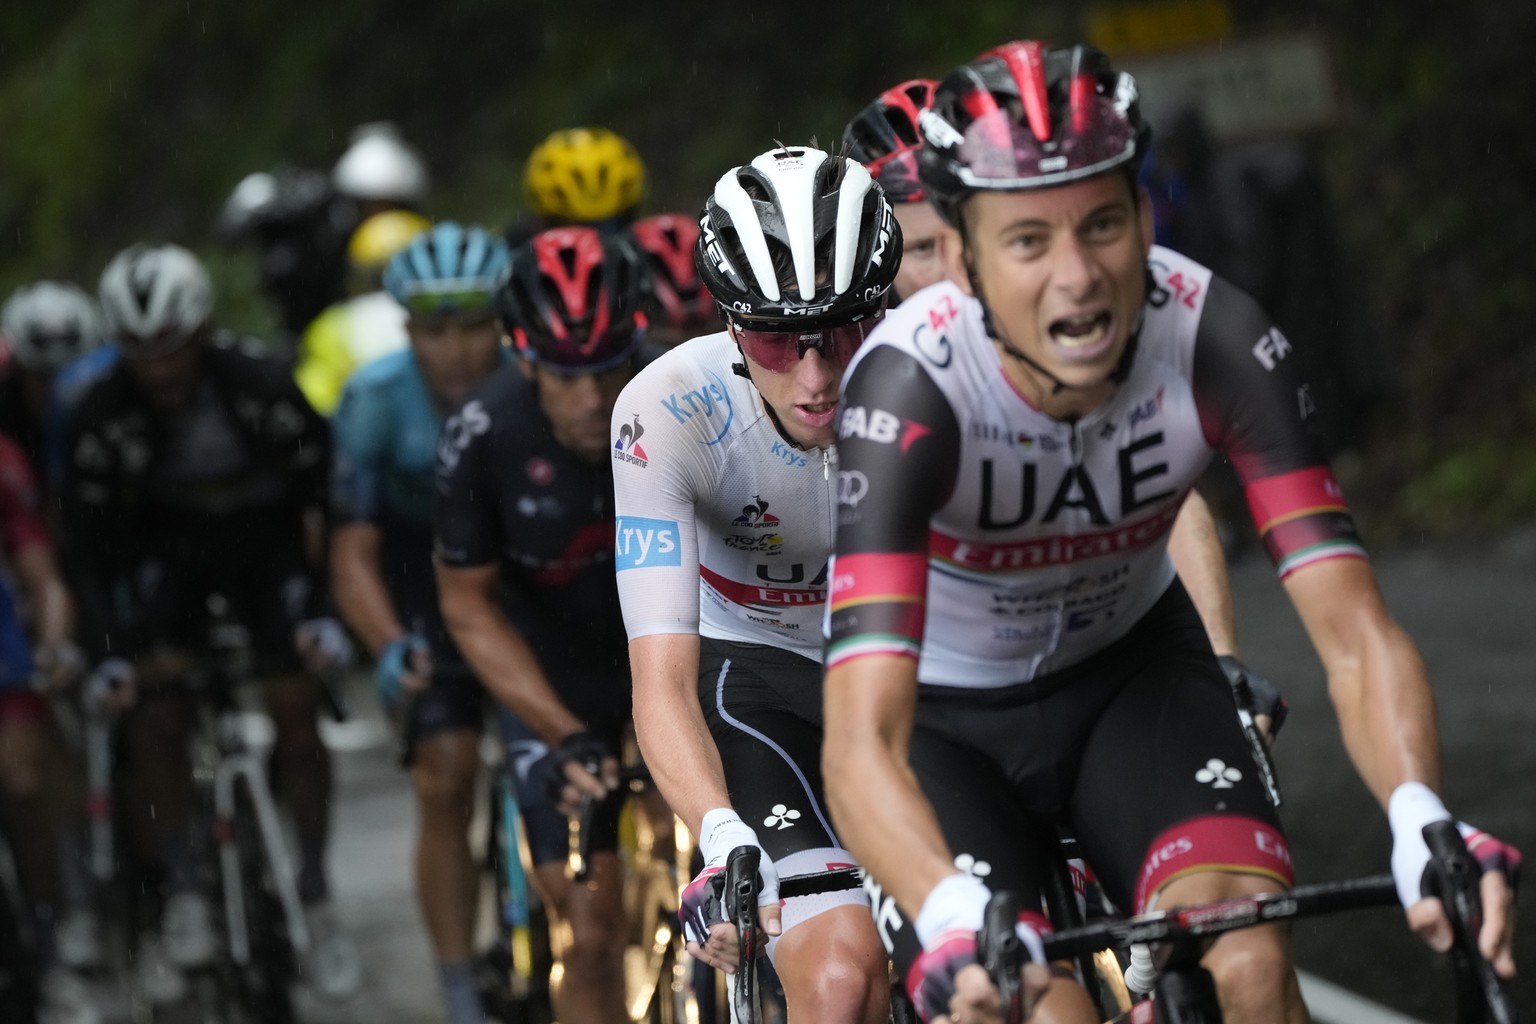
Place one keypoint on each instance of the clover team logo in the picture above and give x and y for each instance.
(627, 447)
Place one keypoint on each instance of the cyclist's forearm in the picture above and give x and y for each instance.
(878, 808)
(676, 743)
(358, 586)
(52, 608)
(1378, 684)
(1195, 547)
(507, 665)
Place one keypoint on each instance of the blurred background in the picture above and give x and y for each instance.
(1367, 170)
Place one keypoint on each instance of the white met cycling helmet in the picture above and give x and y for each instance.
(154, 298)
(798, 238)
(379, 165)
(50, 323)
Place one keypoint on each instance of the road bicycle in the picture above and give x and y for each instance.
(252, 881)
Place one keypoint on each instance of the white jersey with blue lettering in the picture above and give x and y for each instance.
(723, 526)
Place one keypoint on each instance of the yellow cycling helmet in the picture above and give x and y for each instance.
(583, 175)
(381, 236)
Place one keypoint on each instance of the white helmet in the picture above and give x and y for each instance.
(380, 165)
(50, 323)
(154, 298)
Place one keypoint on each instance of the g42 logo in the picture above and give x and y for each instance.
(1171, 287)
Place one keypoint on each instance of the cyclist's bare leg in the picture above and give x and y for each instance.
(27, 762)
(834, 969)
(1255, 978)
(301, 768)
(592, 988)
(157, 782)
(443, 770)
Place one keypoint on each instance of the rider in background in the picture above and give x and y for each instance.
(40, 795)
(1006, 630)
(678, 306)
(45, 326)
(299, 219)
(365, 326)
(386, 433)
(885, 138)
(524, 541)
(590, 176)
(196, 467)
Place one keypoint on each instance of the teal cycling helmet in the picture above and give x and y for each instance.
(449, 268)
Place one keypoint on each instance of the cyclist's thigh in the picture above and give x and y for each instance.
(985, 824)
(271, 598)
(453, 702)
(758, 705)
(1166, 784)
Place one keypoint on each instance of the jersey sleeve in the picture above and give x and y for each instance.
(661, 469)
(898, 447)
(466, 515)
(360, 429)
(1255, 406)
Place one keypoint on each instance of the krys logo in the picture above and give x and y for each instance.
(627, 447)
(710, 400)
(645, 543)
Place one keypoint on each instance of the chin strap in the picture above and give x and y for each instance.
(740, 370)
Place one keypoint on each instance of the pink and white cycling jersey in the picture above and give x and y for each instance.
(723, 526)
(997, 544)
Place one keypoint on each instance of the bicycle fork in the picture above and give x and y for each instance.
(233, 769)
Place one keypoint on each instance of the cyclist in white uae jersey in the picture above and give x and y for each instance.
(1005, 632)
(724, 482)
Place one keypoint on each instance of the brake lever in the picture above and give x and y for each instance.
(1000, 950)
(739, 902)
(578, 859)
(1455, 878)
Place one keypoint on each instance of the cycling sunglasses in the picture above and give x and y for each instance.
(426, 303)
(778, 351)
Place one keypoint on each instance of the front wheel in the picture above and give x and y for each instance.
(261, 989)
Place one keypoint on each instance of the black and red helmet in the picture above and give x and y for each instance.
(678, 298)
(571, 300)
(1025, 115)
(885, 138)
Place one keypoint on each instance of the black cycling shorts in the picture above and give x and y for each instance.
(268, 590)
(454, 701)
(1137, 751)
(763, 708)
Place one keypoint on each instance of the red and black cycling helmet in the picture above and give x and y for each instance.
(678, 298)
(571, 300)
(885, 138)
(1025, 115)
